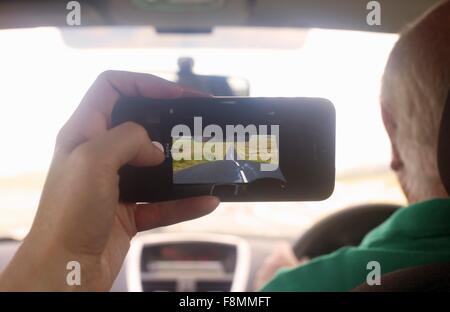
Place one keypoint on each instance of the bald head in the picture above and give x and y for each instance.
(415, 85)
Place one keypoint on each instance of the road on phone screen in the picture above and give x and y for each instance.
(224, 171)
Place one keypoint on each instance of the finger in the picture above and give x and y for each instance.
(92, 116)
(126, 143)
(149, 216)
(113, 84)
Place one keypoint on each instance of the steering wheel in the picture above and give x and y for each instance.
(344, 228)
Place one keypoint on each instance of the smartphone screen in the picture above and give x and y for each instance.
(239, 149)
(227, 159)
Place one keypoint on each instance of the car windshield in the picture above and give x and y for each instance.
(45, 72)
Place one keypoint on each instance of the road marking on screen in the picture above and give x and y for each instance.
(244, 178)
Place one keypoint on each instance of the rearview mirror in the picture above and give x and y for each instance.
(210, 84)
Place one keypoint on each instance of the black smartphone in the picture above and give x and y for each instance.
(238, 149)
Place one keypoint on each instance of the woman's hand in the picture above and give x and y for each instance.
(80, 217)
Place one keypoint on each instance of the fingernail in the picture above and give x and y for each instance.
(158, 146)
(217, 199)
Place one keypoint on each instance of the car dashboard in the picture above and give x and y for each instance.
(179, 261)
(188, 262)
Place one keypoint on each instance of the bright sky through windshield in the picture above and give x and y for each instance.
(43, 80)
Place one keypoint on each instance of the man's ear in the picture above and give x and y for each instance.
(391, 128)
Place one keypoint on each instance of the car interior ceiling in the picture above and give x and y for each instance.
(284, 13)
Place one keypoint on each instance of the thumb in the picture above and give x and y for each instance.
(128, 143)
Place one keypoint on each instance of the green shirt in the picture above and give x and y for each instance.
(417, 235)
